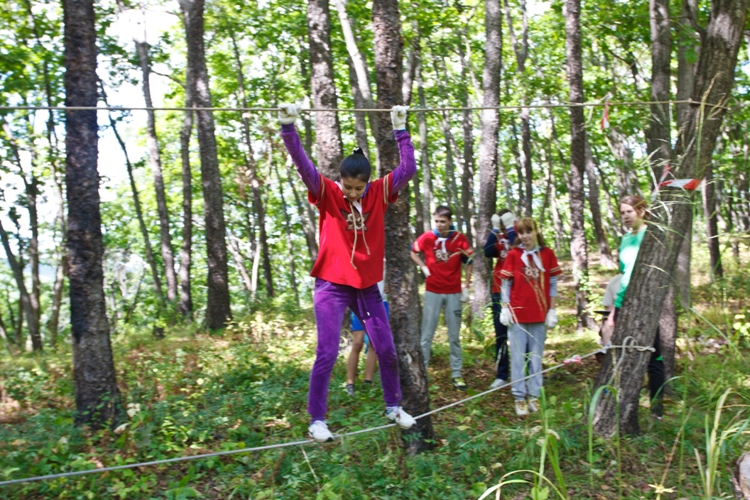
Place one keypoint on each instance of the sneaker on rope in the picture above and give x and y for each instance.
(534, 405)
(350, 389)
(319, 432)
(522, 409)
(459, 384)
(398, 415)
(497, 383)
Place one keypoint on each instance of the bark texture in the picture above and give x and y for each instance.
(578, 247)
(400, 277)
(186, 251)
(97, 397)
(662, 243)
(490, 124)
(327, 128)
(218, 310)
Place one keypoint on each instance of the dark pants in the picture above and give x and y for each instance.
(655, 373)
(501, 339)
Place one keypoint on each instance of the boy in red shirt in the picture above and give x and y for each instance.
(444, 250)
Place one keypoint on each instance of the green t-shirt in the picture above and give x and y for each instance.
(629, 247)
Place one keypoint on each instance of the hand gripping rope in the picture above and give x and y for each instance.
(576, 359)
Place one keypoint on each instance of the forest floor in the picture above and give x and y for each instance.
(193, 393)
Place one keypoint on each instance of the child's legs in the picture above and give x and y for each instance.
(371, 365)
(501, 339)
(358, 341)
(433, 303)
(368, 306)
(329, 303)
(453, 322)
(518, 342)
(537, 335)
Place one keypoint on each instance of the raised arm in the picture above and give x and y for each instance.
(305, 167)
(408, 166)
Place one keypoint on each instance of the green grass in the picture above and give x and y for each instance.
(192, 393)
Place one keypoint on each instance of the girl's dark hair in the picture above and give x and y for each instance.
(526, 225)
(356, 166)
(638, 204)
(443, 211)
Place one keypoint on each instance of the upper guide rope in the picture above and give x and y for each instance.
(358, 110)
(572, 359)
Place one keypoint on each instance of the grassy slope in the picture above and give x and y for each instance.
(191, 394)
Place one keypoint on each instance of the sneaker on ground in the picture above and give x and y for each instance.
(522, 409)
(398, 415)
(459, 384)
(497, 383)
(350, 389)
(319, 432)
(534, 405)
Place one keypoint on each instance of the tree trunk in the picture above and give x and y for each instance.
(360, 120)
(57, 289)
(578, 247)
(304, 56)
(400, 270)
(428, 205)
(97, 396)
(687, 39)
(25, 296)
(712, 228)
(663, 240)
(186, 252)
(218, 310)
(288, 232)
(627, 182)
(658, 139)
(605, 254)
(327, 128)
(139, 212)
(490, 124)
(154, 157)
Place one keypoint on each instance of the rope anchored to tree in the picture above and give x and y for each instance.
(306, 441)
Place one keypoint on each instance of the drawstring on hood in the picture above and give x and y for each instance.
(359, 225)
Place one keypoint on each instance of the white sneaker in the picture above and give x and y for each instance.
(398, 415)
(534, 405)
(318, 430)
(522, 409)
(497, 383)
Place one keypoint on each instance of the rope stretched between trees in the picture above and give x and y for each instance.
(355, 110)
(573, 359)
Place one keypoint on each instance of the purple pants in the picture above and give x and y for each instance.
(330, 303)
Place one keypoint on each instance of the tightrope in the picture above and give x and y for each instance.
(358, 110)
(576, 359)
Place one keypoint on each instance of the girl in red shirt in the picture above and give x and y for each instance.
(529, 290)
(350, 261)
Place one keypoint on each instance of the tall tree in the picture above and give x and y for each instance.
(327, 127)
(97, 396)
(648, 288)
(490, 124)
(186, 252)
(605, 255)
(578, 246)
(401, 277)
(218, 310)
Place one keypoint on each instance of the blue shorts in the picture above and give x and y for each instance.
(356, 325)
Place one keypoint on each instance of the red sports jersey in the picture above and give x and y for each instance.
(529, 294)
(338, 219)
(443, 259)
(503, 247)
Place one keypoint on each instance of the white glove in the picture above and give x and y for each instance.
(426, 271)
(505, 317)
(398, 117)
(508, 219)
(551, 320)
(465, 295)
(495, 219)
(288, 113)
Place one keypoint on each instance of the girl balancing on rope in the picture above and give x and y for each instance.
(529, 290)
(633, 214)
(350, 262)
